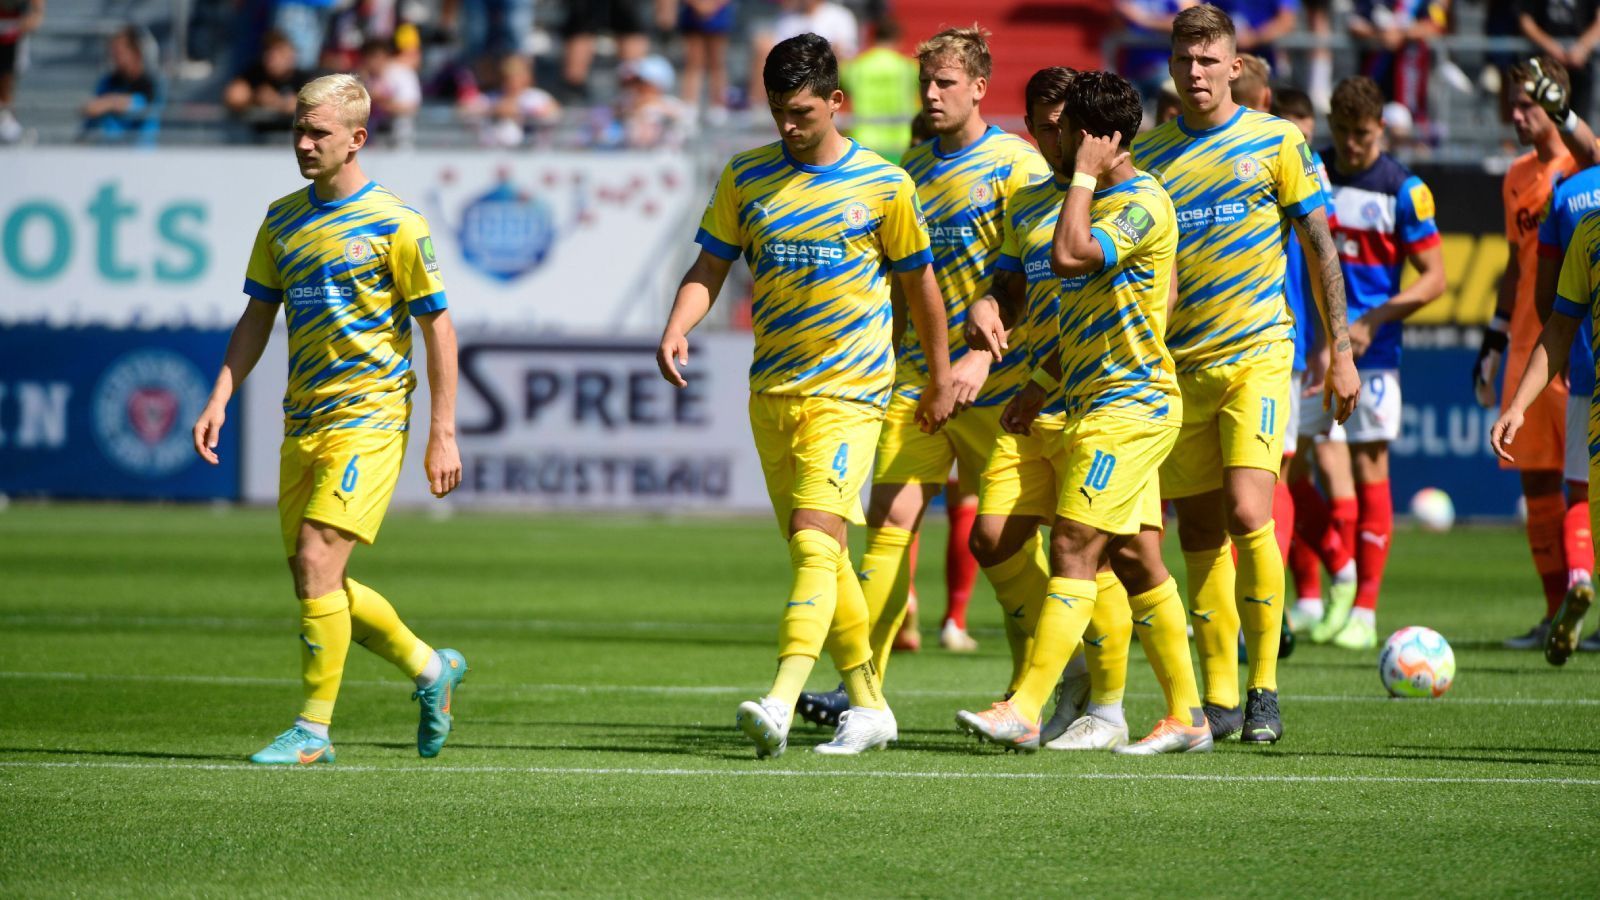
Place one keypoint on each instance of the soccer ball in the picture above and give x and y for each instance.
(1433, 510)
(1417, 662)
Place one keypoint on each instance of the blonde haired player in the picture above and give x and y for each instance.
(351, 266)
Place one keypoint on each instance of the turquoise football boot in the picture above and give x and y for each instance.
(435, 700)
(295, 747)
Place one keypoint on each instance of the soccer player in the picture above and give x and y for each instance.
(1572, 198)
(1383, 218)
(1019, 486)
(822, 222)
(966, 177)
(1577, 298)
(1113, 242)
(1561, 146)
(351, 266)
(1238, 178)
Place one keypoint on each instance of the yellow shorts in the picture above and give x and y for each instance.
(344, 477)
(1107, 468)
(1234, 416)
(1019, 479)
(907, 456)
(816, 452)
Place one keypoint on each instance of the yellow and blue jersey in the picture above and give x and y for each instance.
(964, 196)
(1576, 296)
(820, 241)
(350, 273)
(1234, 187)
(1030, 227)
(1114, 357)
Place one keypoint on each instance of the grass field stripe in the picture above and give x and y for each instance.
(805, 773)
(725, 690)
(246, 622)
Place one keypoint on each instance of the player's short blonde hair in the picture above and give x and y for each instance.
(966, 47)
(345, 93)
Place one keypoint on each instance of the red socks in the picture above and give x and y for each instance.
(1283, 517)
(1376, 526)
(960, 569)
(1576, 540)
(1338, 546)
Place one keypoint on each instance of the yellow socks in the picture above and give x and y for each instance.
(1158, 615)
(1106, 643)
(791, 678)
(376, 626)
(1216, 621)
(848, 642)
(885, 585)
(808, 612)
(1068, 604)
(1260, 592)
(861, 684)
(324, 644)
(1020, 584)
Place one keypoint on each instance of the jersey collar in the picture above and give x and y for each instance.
(311, 194)
(819, 170)
(987, 133)
(1207, 132)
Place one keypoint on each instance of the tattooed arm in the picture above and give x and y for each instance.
(1343, 385)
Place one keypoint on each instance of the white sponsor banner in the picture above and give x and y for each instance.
(564, 424)
(570, 242)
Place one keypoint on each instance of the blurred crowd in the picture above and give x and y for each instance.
(650, 73)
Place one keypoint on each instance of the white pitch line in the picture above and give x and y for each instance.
(800, 773)
(726, 689)
(246, 622)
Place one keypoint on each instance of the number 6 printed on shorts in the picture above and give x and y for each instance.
(841, 461)
(351, 473)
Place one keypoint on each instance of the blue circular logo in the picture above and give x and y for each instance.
(505, 234)
(143, 407)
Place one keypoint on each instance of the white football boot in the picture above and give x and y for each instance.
(861, 729)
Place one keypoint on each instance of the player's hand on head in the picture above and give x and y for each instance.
(1503, 432)
(442, 463)
(207, 431)
(1098, 156)
(672, 355)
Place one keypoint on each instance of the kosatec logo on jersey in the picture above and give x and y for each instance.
(813, 253)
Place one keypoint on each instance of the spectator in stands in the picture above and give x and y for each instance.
(305, 22)
(18, 18)
(1260, 23)
(396, 91)
(1394, 36)
(882, 88)
(263, 93)
(704, 25)
(489, 28)
(1568, 31)
(1147, 28)
(124, 106)
(648, 116)
(832, 21)
(517, 108)
(585, 20)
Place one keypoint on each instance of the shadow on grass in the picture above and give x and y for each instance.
(136, 754)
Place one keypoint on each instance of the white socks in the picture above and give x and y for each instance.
(1111, 713)
(430, 672)
(1362, 614)
(316, 728)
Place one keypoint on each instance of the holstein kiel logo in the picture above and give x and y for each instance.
(140, 407)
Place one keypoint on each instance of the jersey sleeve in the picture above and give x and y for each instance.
(1120, 231)
(1299, 187)
(415, 267)
(1415, 213)
(261, 279)
(903, 232)
(1026, 168)
(1550, 228)
(719, 233)
(1010, 259)
(1575, 290)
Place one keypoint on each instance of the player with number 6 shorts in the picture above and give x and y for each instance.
(352, 267)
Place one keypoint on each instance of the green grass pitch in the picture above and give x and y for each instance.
(147, 650)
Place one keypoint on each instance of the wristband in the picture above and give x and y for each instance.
(1569, 124)
(1085, 180)
(1500, 323)
(1043, 379)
